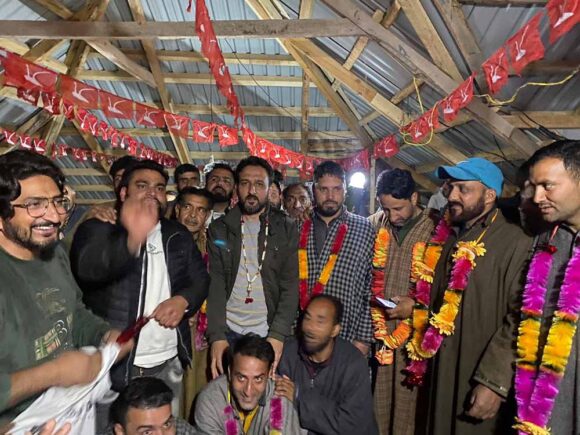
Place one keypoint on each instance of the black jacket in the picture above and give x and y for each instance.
(279, 272)
(110, 278)
(334, 398)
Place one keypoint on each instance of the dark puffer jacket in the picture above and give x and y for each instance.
(110, 278)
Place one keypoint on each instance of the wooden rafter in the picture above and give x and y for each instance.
(265, 11)
(49, 30)
(306, 8)
(305, 112)
(504, 3)
(179, 143)
(416, 14)
(418, 64)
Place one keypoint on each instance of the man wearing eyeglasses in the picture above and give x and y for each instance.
(42, 318)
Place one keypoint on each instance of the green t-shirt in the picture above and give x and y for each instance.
(41, 315)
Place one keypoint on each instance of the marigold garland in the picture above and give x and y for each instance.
(537, 382)
(442, 324)
(389, 341)
(326, 272)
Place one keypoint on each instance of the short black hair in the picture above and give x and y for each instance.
(566, 150)
(253, 161)
(141, 393)
(120, 164)
(338, 307)
(182, 169)
(141, 165)
(255, 346)
(277, 177)
(329, 167)
(219, 165)
(19, 165)
(396, 182)
(304, 186)
(197, 192)
(277, 184)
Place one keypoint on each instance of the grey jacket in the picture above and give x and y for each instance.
(279, 272)
(210, 418)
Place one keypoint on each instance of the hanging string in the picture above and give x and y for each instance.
(495, 102)
(418, 94)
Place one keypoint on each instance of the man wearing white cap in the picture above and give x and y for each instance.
(468, 345)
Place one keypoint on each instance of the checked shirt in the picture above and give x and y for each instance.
(350, 280)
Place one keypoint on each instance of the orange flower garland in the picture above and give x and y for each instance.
(326, 270)
(389, 341)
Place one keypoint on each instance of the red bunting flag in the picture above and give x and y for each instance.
(177, 124)
(228, 136)
(203, 131)
(563, 15)
(422, 126)
(496, 70)
(148, 116)
(78, 93)
(387, 147)
(458, 99)
(116, 107)
(526, 45)
(250, 139)
(31, 96)
(39, 145)
(51, 102)
(21, 73)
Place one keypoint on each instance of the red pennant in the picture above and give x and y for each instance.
(11, 137)
(31, 96)
(227, 136)
(79, 94)
(68, 110)
(203, 131)
(526, 45)
(422, 126)
(250, 139)
(20, 73)
(177, 124)
(51, 102)
(496, 70)
(563, 15)
(149, 116)
(387, 147)
(458, 99)
(26, 142)
(116, 107)
(39, 145)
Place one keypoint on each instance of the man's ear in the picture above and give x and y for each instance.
(490, 196)
(118, 429)
(177, 209)
(123, 193)
(414, 198)
(335, 330)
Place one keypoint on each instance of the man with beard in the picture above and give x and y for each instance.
(193, 206)
(253, 267)
(401, 224)
(326, 376)
(144, 265)
(554, 182)
(219, 181)
(338, 247)
(470, 376)
(42, 318)
(243, 401)
(297, 201)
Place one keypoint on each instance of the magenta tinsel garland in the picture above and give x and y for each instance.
(535, 290)
(432, 340)
(525, 382)
(423, 292)
(442, 232)
(276, 419)
(460, 274)
(570, 293)
(231, 423)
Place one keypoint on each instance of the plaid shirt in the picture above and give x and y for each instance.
(350, 280)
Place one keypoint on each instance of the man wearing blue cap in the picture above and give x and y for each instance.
(470, 375)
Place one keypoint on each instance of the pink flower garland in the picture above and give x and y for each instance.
(276, 418)
(536, 390)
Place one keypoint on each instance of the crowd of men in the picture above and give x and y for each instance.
(271, 308)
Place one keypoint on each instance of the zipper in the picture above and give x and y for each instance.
(140, 308)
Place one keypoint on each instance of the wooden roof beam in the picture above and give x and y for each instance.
(418, 64)
(305, 110)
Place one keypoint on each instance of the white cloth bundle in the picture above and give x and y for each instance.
(74, 405)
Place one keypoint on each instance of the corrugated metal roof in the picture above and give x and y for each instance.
(491, 27)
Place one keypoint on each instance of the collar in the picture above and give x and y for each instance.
(483, 222)
(312, 366)
(234, 217)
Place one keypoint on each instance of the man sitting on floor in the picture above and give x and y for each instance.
(325, 376)
(244, 401)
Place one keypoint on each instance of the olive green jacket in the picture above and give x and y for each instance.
(279, 271)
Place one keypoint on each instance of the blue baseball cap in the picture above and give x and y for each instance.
(474, 169)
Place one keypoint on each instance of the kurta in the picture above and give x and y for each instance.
(565, 418)
(482, 348)
(394, 402)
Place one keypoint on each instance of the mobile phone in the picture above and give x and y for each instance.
(386, 303)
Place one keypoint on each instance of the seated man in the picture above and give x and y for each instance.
(326, 376)
(144, 407)
(243, 401)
